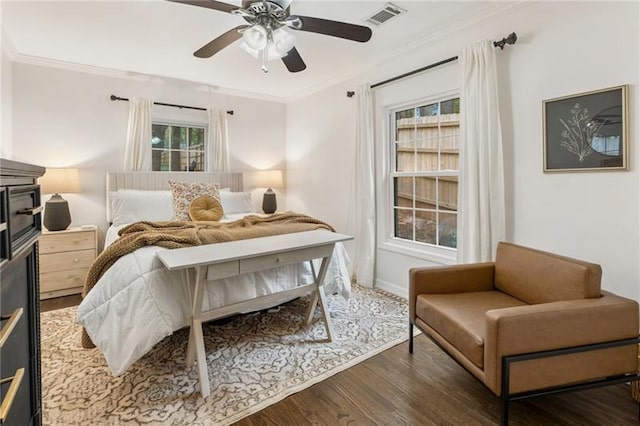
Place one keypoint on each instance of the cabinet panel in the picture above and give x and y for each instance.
(24, 212)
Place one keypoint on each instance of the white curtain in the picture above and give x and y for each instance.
(137, 153)
(364, 199)
(218, 140)
(481, 217)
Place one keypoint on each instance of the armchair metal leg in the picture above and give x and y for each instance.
(504, 413)
(410, 337)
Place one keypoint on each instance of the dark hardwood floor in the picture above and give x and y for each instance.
(426, 388)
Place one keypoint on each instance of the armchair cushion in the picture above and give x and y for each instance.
(460, 318)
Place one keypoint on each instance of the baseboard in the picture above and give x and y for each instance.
(392, 288)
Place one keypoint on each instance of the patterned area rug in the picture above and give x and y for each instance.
(254, 360)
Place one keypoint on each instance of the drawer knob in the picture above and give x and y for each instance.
(76, 260)
(277, 260)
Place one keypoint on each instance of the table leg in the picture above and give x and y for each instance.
(195, 335)
(191, 354)
(320, 295)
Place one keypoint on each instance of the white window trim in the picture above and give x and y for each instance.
(193, 124)
(387, 241)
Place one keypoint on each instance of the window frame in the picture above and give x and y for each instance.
(417, 249)
(187, 124)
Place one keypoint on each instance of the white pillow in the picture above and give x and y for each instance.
(130, 206)
(236, 202)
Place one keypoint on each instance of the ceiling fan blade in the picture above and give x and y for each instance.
(209, 4)
(334, 28)
(293, 61)
(216, 45)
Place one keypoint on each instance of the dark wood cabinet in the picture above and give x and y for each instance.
(20, 227)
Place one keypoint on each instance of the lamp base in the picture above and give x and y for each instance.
(56, 214)
(269, 204)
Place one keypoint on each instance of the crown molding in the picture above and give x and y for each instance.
(416, 42)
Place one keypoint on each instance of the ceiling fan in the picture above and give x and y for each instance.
(264, 37)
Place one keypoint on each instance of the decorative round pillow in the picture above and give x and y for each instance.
(205, 208)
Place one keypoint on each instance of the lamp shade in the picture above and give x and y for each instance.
(268, 179)
(60, 180)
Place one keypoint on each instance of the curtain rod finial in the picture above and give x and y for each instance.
(350, 94)
(510, 39)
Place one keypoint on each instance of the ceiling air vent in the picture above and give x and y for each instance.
(389, 11)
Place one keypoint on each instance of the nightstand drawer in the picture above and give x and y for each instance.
(55, 262)
(60, 280)
(67, 241)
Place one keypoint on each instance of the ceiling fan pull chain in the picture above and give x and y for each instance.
(265, 54)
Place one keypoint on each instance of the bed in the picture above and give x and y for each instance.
(138, 302)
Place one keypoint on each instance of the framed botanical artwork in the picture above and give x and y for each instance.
(586, 131)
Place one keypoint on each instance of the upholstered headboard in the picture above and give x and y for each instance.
(158, 181)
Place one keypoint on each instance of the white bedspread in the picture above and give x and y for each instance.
(137, 302)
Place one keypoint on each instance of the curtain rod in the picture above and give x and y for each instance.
(118, 98)
(510, 39)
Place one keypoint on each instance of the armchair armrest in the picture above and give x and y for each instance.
(556, 325)
(449, 279)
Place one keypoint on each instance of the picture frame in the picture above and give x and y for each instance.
(586, 131)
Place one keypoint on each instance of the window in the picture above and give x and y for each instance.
(424, 172)
(177, 148)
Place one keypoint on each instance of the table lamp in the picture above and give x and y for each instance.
(56, 210)
(269, 179)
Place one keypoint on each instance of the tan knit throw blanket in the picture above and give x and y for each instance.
(173, 235)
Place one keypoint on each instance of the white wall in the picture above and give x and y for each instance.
(65, 118)
(563, 48)
(6, 99)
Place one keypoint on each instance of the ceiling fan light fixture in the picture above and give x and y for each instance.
(283, 42)
(255, 37)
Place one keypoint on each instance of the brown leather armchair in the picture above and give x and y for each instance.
(529, 324)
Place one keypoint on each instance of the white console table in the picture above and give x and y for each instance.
(223, 260)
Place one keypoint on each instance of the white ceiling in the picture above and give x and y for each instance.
(158, 38)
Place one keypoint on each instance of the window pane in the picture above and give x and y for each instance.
(447, 226)
(426, 227)
(405, 157)
(428, 110)
(178, 137)
(426, 192)
(452, 106)
(448, 193)
(403, 192)
(160, 160)
(156, 156)
(405, 124)
(179, 161)
(196, 138)
(160, 136)
(196, 161)
(403, 224)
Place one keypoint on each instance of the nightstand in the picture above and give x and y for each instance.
(65, 258)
